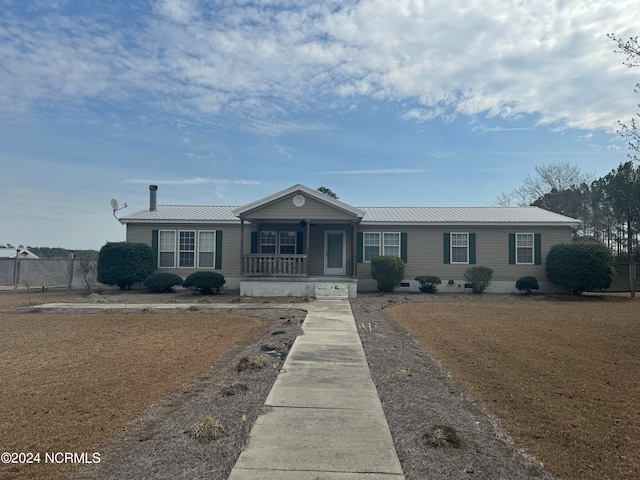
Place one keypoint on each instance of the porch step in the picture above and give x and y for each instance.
(332, 291)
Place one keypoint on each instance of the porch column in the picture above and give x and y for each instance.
(306, 248)
(354, 254)
(242, 247)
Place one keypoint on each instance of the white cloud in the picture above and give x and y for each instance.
(270, 60)
(193, 181)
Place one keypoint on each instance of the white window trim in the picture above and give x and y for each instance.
(532, 247)
(279, 244)
(195, 248)
(215, 237)
(175, 248)
(269, 244)
(451, 247)
(384, 252)
(364, 260)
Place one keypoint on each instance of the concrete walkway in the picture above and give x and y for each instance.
(323, 419)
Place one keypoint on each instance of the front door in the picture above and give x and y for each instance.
(335, 252)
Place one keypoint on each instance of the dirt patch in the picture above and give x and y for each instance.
(562, 373)
(70, 382)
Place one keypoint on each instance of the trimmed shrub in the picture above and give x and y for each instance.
(580, 267)
(479, 278)
(387, 271)
(123, 264)
(527, 284)
(162, 282)
(428, 283)
(206, 283)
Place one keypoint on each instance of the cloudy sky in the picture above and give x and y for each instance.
(403, 102)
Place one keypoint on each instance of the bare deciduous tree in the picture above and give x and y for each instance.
(555, 177)
(631, 49)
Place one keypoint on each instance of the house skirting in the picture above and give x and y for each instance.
(311, 287)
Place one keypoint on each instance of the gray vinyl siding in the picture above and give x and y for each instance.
(425, 250)
(142, 233)
(284, 209)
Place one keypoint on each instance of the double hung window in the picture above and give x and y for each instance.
(524, 248)
(391, 244)
(167, 248)
(371, 245)
(187, 249)
(281, 243)
(459, 248)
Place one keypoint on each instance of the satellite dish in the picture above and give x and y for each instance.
(116, 207)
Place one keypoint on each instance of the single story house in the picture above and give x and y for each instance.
(301, 242)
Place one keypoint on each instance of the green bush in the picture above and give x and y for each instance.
(527, 284)
(205, 282)
(479, 278)
(387, 271)
(123, 264)
(162, 282)
(580, 267)
(428, 283)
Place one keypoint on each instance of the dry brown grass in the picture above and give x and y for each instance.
(71, 381)
(564, 376)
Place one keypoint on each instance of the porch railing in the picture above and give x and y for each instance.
(256, 265)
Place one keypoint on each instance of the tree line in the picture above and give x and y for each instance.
(607, 207)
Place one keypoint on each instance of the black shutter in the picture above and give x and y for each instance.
(154, 246)
(218, 264)
(512, 249)
(299, 243)
(360, 258)
(403, 247)
(472, 248)
(537, 248)
(254, 242)
(446, 241)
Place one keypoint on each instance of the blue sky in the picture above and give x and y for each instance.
(398, 103)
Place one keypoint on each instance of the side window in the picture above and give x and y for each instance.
(371, 242)
(391, 244)
(206, 249)
(459, 248)
(187, 249)
(524, 248)
(166, 248)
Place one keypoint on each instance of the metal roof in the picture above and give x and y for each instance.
(184, 214)
(372, 215)
(464, 215)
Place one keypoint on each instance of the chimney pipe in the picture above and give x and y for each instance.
(153, 200)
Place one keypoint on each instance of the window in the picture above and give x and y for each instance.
(206, 249)
(268, 242)
(281, 243)
(287, 243)
(166, 248)
(371, 245)
(459, 248)
(187, 249)
(524, 248)
(391, 244)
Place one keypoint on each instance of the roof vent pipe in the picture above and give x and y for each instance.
(153, 198)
